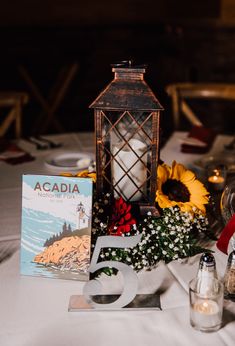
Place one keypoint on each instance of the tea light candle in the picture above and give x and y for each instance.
(206, 313)
(216, 181)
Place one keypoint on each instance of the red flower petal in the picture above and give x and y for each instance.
(127, 217)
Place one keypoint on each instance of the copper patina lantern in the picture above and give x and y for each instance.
(127, 116)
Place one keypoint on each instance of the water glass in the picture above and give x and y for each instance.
(206, 306)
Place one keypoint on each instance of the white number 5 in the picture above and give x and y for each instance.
(130, 279)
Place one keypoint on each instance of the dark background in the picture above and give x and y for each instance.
(179, 41)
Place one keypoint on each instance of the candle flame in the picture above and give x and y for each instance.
(206, 307)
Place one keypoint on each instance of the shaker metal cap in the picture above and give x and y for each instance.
(207, 260)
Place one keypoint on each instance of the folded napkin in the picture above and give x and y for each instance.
(198, 141)
(12, 154)
(227, 233)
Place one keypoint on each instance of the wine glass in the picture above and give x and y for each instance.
(227, 205)
(227, 202)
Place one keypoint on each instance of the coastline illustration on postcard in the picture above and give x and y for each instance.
(56, 226)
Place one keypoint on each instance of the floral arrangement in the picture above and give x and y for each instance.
(181, 200)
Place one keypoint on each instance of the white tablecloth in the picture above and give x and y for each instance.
(34, 311)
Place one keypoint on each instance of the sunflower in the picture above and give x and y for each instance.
(177, 185)
(87, 174)
(82, 174)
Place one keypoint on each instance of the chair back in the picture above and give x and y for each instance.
(184, 94)
(13, 102)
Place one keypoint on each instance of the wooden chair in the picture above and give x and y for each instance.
(13, 102)
(182, 93)
(49, 106)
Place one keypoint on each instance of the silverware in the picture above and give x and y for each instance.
(8, 245)
(39, 145)
(230, 146)
(51, 143)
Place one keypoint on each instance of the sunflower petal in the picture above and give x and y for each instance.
(187, 177)
(162, 173)
(177, 171)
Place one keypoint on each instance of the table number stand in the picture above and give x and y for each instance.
(92, 298)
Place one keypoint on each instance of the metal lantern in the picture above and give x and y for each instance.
(127, 118)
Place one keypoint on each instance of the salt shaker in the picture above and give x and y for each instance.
(206, 273)
(229, 277)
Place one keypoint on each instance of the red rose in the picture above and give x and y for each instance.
(121, 219)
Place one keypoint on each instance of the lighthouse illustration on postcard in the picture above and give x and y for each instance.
(56, 226)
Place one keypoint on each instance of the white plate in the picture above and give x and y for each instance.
(227, 159)
(70, 161)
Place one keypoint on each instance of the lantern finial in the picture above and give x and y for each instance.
(127, 64)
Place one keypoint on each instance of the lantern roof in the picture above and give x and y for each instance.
(127, 91)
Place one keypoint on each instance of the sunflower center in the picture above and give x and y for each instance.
(176, 190)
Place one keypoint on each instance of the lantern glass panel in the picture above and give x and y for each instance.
(126, 149)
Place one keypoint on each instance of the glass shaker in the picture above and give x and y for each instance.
(206, 273)
(229, 277)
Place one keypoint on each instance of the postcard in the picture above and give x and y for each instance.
(56, 226)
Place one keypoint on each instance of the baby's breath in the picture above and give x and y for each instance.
(170, 236)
